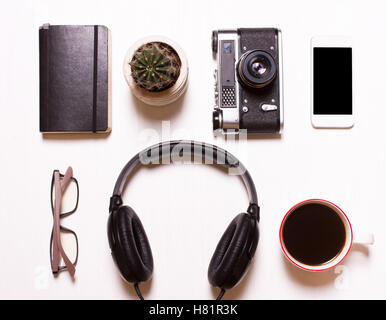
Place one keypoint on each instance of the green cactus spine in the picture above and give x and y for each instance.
(155, 66)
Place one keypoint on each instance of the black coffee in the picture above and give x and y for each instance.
(314, 234)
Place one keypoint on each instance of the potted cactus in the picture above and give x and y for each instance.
(156, 70)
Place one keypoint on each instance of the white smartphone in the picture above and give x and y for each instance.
(332, 100)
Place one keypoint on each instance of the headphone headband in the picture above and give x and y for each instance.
(182, 149)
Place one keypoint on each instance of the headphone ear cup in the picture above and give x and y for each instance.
(129, 245)
(234, 252)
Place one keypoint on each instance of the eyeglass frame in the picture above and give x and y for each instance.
(68, 265)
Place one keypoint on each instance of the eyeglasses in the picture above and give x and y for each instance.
(64, 248)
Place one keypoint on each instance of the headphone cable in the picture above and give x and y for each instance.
(138, 291)
(136, 287)
(222, 292)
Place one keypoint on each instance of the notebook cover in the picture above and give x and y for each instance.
(74, 78)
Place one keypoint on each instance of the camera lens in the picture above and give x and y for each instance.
(259, 69)
(256, 69)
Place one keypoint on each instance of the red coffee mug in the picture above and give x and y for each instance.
(368, 240)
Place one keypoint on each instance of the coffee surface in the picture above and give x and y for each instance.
(314, 234)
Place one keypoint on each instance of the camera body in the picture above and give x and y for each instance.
(248, 80)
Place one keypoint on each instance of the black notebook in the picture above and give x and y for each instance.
(74, 79)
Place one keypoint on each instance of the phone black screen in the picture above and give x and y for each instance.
(332, 80)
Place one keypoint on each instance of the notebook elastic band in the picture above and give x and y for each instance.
(95, 84)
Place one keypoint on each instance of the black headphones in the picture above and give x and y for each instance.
(129, 245)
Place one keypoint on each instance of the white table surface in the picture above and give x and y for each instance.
(185, 209)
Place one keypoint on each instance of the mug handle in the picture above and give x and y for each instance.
(364, 239)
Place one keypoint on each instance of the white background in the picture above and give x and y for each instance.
(185, 209)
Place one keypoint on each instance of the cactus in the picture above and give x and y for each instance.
(155, 66)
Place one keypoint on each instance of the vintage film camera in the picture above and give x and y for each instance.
(248, 81)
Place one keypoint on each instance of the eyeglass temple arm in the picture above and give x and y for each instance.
(66, 179)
